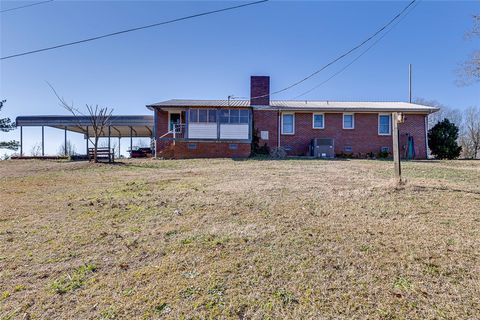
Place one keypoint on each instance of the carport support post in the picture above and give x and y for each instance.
(109, 138)
(396, 149)
(131, 140)
(65, 142)
(21, 141)
(87, 141)
(119, 147)
(43, 141)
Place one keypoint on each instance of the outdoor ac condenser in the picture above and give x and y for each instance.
(322, 148)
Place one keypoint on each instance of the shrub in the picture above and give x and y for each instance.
(278, 153)
(383, 155)
(256, 148)
(442, 140)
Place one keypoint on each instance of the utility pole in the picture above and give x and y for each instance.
(410, 83)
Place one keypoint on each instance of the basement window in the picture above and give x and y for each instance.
(233, 146)
(348, 149)
(192, 146)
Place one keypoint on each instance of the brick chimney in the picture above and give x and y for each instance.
(259, 90)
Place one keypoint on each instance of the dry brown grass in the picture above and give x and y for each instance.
(239, 239)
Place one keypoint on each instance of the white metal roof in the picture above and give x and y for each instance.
(305, 105)
(120, 125)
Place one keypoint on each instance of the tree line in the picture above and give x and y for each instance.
(466, 122)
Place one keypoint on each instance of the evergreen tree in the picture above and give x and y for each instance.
(7, 125)
(442, 140)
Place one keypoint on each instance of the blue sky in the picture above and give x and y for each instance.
(212, 57)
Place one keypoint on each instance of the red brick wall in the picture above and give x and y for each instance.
(266, 121)
(363, 139)
(414, 125)
(260, 87)
(210, 150)
(161, 129)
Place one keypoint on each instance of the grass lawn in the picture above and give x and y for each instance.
(250, 239)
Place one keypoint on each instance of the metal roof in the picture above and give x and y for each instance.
(304, 105)
(200, 103)
(141, 125)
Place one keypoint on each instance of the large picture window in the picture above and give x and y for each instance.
(202, 115)
(384, 124)
(288, 123)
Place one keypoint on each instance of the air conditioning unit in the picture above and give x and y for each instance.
(322, 148)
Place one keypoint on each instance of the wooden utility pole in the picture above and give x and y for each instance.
(396, 117)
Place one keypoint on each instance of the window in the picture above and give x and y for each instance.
(385, 149)
(318, 121)
(288, 123)
(348, 121)
(348, 149)
(234, 116)
(193, 115)
(384, 124)
(233, 146)
(203, 115)
(244, 115)
(212, 115)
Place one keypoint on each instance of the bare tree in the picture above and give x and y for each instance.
(445, 112)
(36, 150)
(113, 145)
(98, 120)
(68, 150)
(470, 139)
(469, 71)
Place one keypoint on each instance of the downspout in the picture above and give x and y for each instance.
(155, 110)
(426, 137)
(278, 127)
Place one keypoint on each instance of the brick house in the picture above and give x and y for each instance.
(227, 128)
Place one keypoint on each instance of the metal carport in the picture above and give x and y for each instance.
(138, 126)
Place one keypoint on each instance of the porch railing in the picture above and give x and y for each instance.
(178, 132)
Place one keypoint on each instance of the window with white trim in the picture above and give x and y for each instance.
(384, 124)
(288, 123)
(348, 121)
(318, 121)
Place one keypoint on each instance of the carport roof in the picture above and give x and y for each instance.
(121, 126)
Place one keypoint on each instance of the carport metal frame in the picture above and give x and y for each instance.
(139, 126)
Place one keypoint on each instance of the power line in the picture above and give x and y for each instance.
(25, 6)
(343, 55)
(133, 29)
(359, 56)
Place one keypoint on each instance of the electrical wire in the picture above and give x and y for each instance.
(342, 55)
(25, 6)
(358, 57)
(133, 29)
